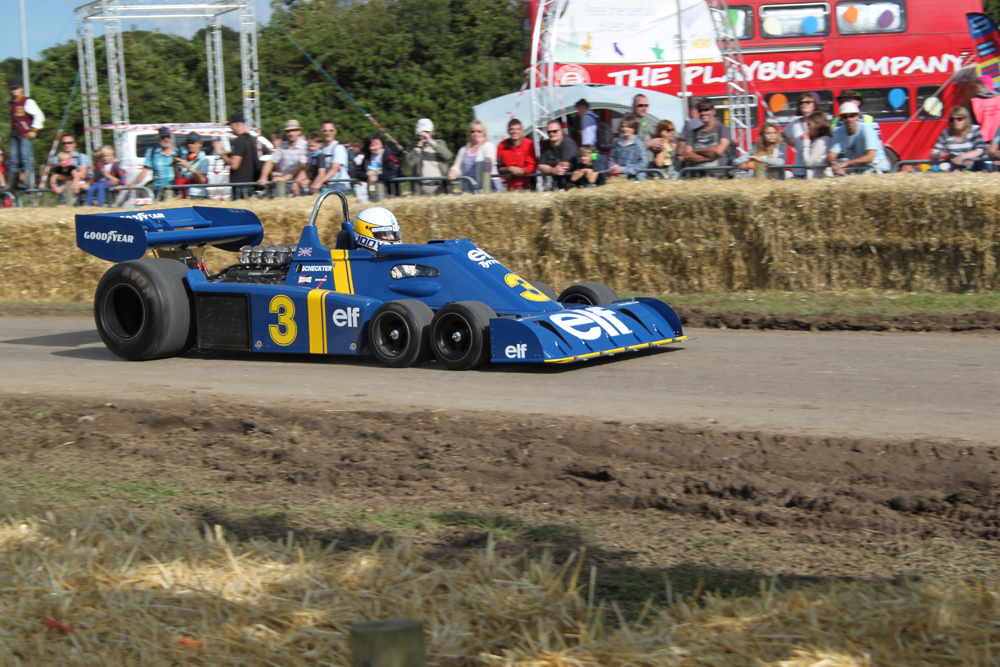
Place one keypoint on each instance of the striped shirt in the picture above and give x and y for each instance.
(947, 143)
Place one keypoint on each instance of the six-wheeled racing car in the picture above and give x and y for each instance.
(403, 303)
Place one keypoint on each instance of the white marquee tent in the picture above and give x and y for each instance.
(496, 112)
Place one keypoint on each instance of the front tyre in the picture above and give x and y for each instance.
(143, 310)
(400, 333)
(546, 290)
(460, 335)
(588, 294)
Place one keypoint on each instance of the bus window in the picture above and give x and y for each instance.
(860, 17)
(806, 20)
(930, 106)
(721, 103)
(785, 106)
(741, 17)
(884, 104)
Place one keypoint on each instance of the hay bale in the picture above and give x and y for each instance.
(935, 233)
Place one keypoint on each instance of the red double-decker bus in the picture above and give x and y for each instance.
(896, 53)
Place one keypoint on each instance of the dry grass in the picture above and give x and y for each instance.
(113, 589)
(902, 232)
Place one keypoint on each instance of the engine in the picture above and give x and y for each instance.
(263, 264)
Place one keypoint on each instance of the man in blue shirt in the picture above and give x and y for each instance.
(855, 146)
(336, 162)
(160, 161)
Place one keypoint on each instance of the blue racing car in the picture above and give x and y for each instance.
(402, 303)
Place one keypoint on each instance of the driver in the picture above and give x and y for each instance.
(375, 227)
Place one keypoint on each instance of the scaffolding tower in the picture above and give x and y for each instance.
(542, 86)
(741, 100)
(114, 12)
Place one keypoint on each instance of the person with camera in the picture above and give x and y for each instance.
(427, 156)
(192, 169)
(161, 161)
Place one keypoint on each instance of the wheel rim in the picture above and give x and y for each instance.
(392, 336)
(453, 337)
(124, 311)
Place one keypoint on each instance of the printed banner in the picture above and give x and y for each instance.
(634, 31)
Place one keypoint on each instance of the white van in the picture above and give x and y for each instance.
(138, 139)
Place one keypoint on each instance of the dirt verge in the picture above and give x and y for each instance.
(647, 501)
(982, 320)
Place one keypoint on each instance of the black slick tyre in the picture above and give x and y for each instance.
(460, 335)
(546, 290)
(399, 333)
(143, 309)
(588, 294)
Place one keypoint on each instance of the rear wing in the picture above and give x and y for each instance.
(119, 237)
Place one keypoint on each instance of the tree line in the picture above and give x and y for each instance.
(400, 59)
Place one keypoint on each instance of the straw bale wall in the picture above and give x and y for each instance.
(907, 232)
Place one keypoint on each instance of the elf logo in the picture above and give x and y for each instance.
(516, 351)
(587, 323)
(346, 317)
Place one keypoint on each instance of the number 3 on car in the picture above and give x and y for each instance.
(284, 332)
(530, 292)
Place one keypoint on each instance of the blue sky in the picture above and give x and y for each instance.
(51, 22)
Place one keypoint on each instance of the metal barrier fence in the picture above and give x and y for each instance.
(762, 170)
(904, 163)
(17, 195)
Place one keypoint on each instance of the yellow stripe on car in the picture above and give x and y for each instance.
(317, 321)
(343, 280)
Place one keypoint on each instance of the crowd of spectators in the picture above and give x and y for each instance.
(818, 146)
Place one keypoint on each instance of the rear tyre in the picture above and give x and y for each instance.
(400, 333)
(143, 309)
(546, 290)
(588, 294)
(460, 335)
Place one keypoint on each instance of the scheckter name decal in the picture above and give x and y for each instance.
(317, 267)
(108, 237)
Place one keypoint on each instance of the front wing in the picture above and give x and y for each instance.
(585, 332)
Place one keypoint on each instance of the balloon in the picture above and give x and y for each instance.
(885, 19)
(933, 106)
(777, 103)
(897, 97)
(851, 15)
(771, 26)
(810, 25)
(734, 18)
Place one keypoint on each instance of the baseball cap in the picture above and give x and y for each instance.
(163, 132)
(849, 107)
(192, 136)
(14, 82)
(849, 95)
(425, 125)
(291, 124)
(237, 117)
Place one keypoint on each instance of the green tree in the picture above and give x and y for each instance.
(400, 59)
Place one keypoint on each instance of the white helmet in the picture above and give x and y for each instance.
(375, 227)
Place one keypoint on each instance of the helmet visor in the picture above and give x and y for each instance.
(387, 233)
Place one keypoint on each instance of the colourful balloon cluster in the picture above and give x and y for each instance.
(885, 19)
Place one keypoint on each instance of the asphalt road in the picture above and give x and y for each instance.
(875, 384)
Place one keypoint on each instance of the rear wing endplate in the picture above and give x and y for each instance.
(119, 237)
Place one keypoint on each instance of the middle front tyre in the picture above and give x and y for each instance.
(460, 335)
(399, 333)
